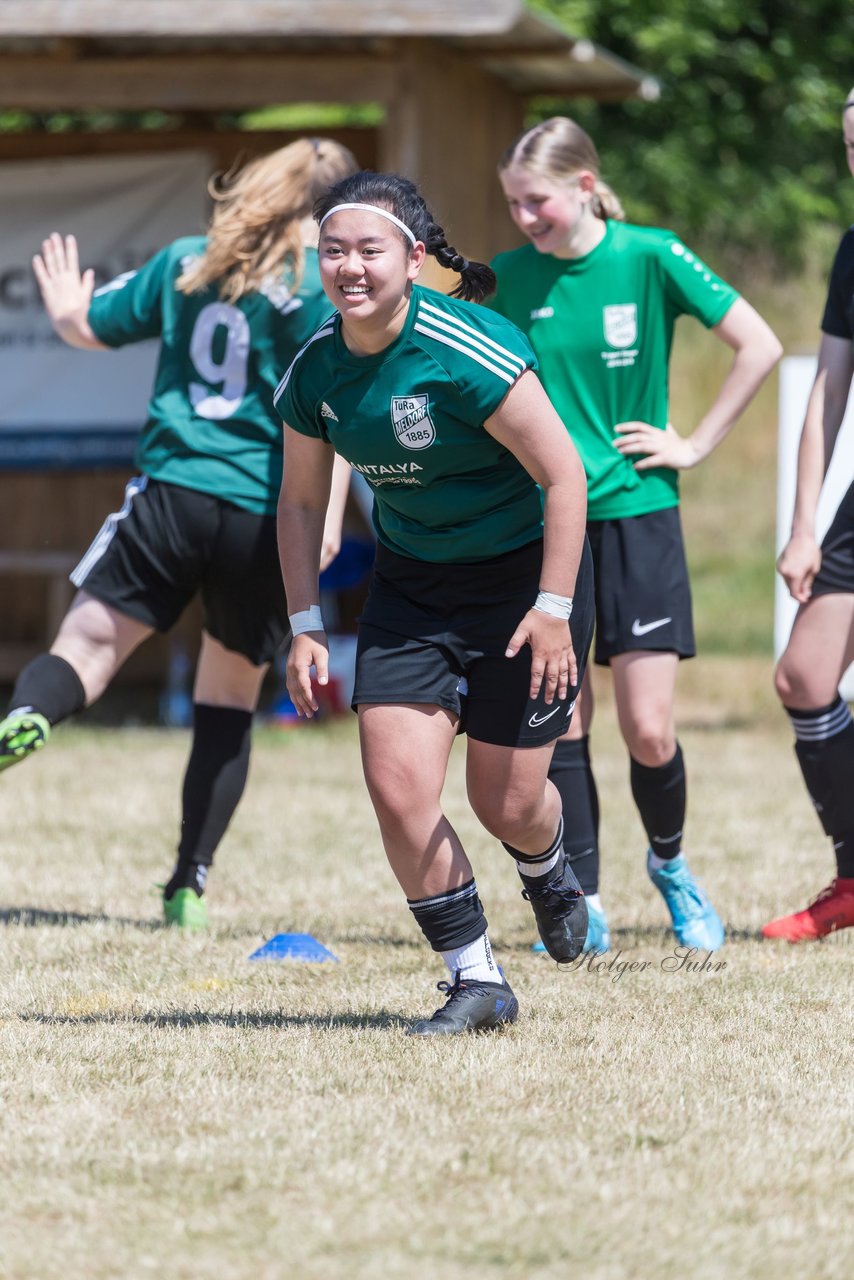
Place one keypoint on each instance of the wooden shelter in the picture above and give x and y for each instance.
(452, 79)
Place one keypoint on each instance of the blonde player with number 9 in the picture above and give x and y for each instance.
(229, 309)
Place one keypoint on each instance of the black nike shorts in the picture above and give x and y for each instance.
(436, 634)
(837, 552)
(166, 543)
(643, 596)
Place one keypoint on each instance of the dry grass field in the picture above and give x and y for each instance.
(171, 1109)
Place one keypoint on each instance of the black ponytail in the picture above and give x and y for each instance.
(400, 196)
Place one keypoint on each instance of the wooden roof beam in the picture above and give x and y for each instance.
(208, 82)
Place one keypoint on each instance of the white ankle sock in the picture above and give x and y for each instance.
(533, 870)
(546, 862)
(474, 961)
(655, 863)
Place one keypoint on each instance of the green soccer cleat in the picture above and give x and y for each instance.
(186, 910)
(21, 733)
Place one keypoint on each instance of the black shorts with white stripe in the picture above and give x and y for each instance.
(166, 543)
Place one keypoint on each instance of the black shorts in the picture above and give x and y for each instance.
(166, 543)
(837, 552)
(436, 634)
(643, 596)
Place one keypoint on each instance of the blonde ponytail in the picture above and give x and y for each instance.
(254, 231)
(606, 205)
(559, 148)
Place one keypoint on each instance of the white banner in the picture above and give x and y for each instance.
(61, 406)
(797, 374)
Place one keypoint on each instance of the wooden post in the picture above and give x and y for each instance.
(445, 129)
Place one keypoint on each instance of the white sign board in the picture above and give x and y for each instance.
(121, 209)
(796, 378)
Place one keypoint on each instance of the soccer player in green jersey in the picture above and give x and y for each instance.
(821, 579)
(598, 299)
(480, 610)
(228, 309)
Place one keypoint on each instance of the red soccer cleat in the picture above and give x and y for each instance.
(833, 909)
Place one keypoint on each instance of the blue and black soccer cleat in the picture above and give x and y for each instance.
(695, 921)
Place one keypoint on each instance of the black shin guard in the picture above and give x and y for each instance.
(824, 747)
(213, 784)
(450, 920)
(50, 686)
(660, 795)
(572, 774)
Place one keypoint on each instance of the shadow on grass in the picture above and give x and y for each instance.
(32, 917)
(186, 1018)
(35, 917)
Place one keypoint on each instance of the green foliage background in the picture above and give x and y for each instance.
(742, 151)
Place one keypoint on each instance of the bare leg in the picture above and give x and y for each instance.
(405, 751)
(819, 652)
(95, 639)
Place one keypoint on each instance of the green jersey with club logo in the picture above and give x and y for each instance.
(410, 420)
(211, 423)
(602, 328)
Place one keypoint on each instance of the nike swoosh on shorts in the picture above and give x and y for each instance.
(640, 629)
(536, 720)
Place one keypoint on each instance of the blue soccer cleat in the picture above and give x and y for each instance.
(695, 921)
(598, 934)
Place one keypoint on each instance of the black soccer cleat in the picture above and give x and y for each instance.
(472, 1005)
(560, 912)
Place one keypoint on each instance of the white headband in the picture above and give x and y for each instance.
(372, 208)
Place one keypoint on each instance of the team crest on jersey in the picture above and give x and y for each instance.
(410, 417)
(621, 324)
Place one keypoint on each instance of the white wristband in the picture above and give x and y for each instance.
(556, 606)
(307, 620)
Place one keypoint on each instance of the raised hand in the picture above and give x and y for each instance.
(65, 292)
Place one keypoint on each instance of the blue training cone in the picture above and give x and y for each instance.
(294, 946)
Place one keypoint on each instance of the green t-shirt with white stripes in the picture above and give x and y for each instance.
(410, 420)
(602, 328)
(211, 424)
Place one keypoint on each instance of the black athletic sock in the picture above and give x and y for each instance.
(824, 746)
(451, 919)
(50, 686)
(572, 774)
(213, 784)
(660, 795)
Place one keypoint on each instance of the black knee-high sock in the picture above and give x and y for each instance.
(572, 774)
(213, 784)
(660, 795)
(50, 686)
(824, 745)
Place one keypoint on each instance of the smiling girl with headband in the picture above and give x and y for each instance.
(479, 614)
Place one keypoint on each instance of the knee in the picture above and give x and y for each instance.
(783, 684)
(507, 817)
(802, 688)
(650, 745)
